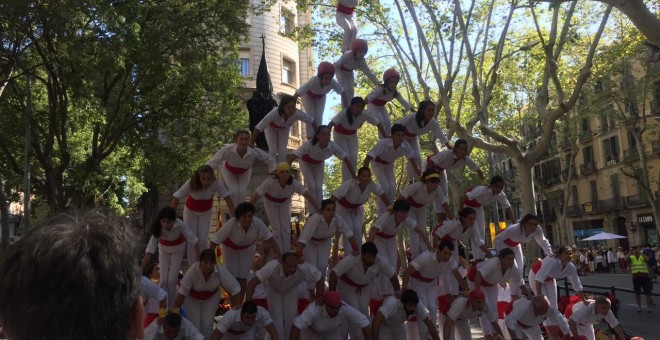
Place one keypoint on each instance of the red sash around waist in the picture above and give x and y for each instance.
(381, 161)
(408, 133)
(275, 199)
(378, 102)
(420, 277)
(385, 236)
(199, 205)
(511, 243)
(536, 267)
(315, 95)
(202, 294)
(471, 203)
(310, 160)
(414, 203)
(235, 332)
(350, 282)
(447, 237)
(348, 205)
(472, 272)
(234, 169)
(261, 303)
(344, 131)
(345, 9)
(229, 243)
(175, 242)
(344, 68)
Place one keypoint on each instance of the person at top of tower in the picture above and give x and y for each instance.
(383, 94)
(346, 20)
(349, 62)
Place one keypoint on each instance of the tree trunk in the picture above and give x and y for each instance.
(531, 250)
(640, 15)
(4, 217)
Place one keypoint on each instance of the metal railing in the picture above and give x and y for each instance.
(587, 168)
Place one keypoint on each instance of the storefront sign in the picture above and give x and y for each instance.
(645, 218)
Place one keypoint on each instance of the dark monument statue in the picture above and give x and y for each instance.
(262, 100)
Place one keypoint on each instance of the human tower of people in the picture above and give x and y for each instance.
(361, 294)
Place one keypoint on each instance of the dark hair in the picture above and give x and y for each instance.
(397, 128)
(526, 219)
(315, 139)
(207, 255)
(75, 275)
(465, 212)
(164, 212)
(243, 208)
(241, 132)
(409, 296)
(172, 320)
(429, 171)
(364, 168)
(419, 115)
(149, 268)
(400, 205)
(195, 182)
(249, 307)
(349, 112)
(288, 181)
(325, 202)
(288, 254)
(561, 249)
(496, 180)
(286, 99)
(460, 142)
(446, 244)
(369, 248)
(505, 252)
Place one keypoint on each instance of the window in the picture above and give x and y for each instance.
(288, 71)
(593, 186)
(588, 154)
(574, 195)
(244, 62)
(287, 21)
(611, 150)
(586, 127)
(614, 184)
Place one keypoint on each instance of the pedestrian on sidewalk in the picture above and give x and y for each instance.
(640, 276)
(621, 255)
(651, 262)
(611, 260)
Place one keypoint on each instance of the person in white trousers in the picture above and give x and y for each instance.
(313, 154)
(313, 92)
(527, 314)
(586, 314)
(281, 277)
(350, 198)
(317, 236)
(419, 196)
(344, 131)
(526, 230)
(383, 94)
(237, 240)
(350, 61)
(420, 123)
(276, 125)
(236, 162)
(382, 157)
(200, 292)
(345, 20)
(478, 197)
(169, 234)
(461, 310)
(388, 324)
(242, 324)
(277, 192)
(450, 159)
(199, 192)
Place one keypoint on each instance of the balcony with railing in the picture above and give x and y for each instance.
(547, 215)
(574, 210)
(565, 172)
(587, 168)
(586, 135)
(630, 154)
(609, 205)
(633, 201)
(550, 180)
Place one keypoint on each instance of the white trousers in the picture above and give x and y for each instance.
(386, 332)
(428, 295)
(388, 253)
(417, 153)
(318, 253)
(314, 175)
(335, 334)
(348, 24)
(313, 107)
(349, 144)
(248, 335)
(354, 218)
(358, 299)
(461, 330)
(491, 293)
(383, 117)
(417, 245)
(236, 184)
(479, 228)
(277, 140)
(533, 333)
(238, 262)
(279, 217)
(283, 308)
(549, 290)
(445, 189)
(385, 177)
(202, 312)
(347, 81)
(200, 224)
(587, 331)
(169, 259)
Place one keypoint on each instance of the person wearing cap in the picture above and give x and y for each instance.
(329, 321)
(383, 94)
(422, 276)
(461, 310)
(351, 60)
(388, 324)
(242, 324)
(382, 157)
(276, 125)
(640, 276)
(313, 93)
(350, 198)
(173, 327)
(199, 293)
(312, 155)
(346, 20)
(316, 237)
(356, 277)
(449, 159)
(586, 314)
(277, 191)
(419, 195)
(526, 316)
(344, 131)
(236, 161)
(281, 277)
(237, 240)
(481, 196)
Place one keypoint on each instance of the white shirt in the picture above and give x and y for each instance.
(453, 230)
(317, 319)
(447, 160)
(152, 294)
(313, 85)
(350, 190)
(178, 229)
(341, 121)
(414, 130)
(551, 268)
(220, 277)
(272, 276)
(203, 194)
(491, 272)
(188, 331)
(354, 269)
(523, 313)
(384, 151)
(515, 233)
(350, 62)
(428, 266)
(317, 154)
(484, 196)
(317, 229)
(258, 231)
(460, 309)
(418, 193)
(386, 224)
(232, 320)
(585, 314)
(272, 191)
(274, 120)
(611, 258)
(229, 155)
(382, 95)
(394, 313)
